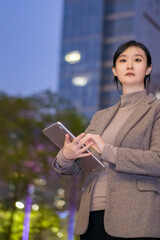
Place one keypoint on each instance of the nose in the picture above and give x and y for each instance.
(130, 64)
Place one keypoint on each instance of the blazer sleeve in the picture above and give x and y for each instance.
(143, 162)
(70, 169)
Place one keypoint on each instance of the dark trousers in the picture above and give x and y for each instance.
(96, 230)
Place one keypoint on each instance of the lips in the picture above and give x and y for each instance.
(130, 74)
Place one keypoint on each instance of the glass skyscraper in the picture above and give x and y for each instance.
(92, 31)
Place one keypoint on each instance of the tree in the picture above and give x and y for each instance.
(26, 154)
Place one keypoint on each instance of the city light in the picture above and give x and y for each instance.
(59, 234)
(59, 203)
(63, 214)
(28, 206)
(19, 205)
(80, 81)
(40, 181)
(35, 207)
(73, 57)
(61, 192)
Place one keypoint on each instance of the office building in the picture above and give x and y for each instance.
(92, 31)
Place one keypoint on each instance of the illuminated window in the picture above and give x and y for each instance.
(73, 57)
(80, 81)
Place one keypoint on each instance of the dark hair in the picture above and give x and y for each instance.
(122, 48)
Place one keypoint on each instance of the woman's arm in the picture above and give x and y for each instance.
(134, 161)
(64, 162)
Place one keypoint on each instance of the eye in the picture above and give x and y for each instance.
(122, 60)
(138, 60)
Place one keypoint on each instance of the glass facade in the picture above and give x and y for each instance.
(118, 26)
(82, 32)
(95, 28)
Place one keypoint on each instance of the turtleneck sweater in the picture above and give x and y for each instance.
(128, 104)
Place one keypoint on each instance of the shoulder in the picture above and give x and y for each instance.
(157, 103)
(157, 108)
(101, 113)
(154, 105)
(153, 101)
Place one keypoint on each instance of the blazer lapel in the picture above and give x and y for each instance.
(107, 117)
(137, 114)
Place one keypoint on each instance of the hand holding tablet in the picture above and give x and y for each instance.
(57, 134)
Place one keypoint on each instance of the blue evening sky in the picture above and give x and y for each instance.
(30, 35)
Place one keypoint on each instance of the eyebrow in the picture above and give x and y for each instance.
(136, 55)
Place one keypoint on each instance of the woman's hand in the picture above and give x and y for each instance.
(97, 142)
(76, 149)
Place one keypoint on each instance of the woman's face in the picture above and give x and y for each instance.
(131, 68)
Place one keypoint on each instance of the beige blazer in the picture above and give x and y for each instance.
(133, 185)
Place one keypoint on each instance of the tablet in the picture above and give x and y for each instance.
(56, 133)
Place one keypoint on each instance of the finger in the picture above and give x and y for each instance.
(67, 138)
(88, 142)
(92, 137)
(85, 148)
(78, 138)
(85, 155)
(85, 141)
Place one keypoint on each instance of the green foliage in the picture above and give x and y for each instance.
(44, 224)
(26, 156)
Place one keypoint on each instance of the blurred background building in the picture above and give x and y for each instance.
(92, 31)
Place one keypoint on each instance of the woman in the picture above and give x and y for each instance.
(124, 200)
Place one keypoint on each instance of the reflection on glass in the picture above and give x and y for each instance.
(73, 57)
(80, 81)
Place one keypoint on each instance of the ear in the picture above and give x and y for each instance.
(149, 69)
(114, 71)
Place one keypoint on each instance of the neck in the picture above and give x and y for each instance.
(131, 89)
